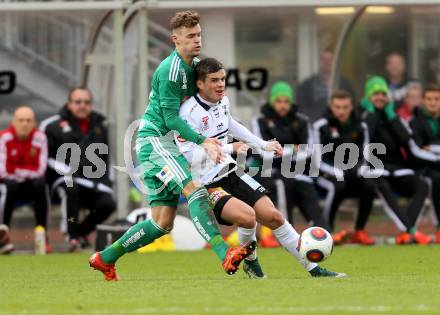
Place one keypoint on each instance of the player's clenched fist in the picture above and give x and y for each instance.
(274, 146)
(240, 147)
(212, 147)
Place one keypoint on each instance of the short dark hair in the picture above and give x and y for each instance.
(184, 19)
(433, 87)
(207, 66)
(340, 94)
(76, 88)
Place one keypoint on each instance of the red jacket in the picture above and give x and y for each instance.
(22, 159)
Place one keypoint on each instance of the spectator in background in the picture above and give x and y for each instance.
(399, 176)
(280, 120)
(341, 125)
(413, 98)
(426, 131)
(434, 70)
(6, 247)
(23, 161)
(77, 123)
(313, 93)
(397, 78)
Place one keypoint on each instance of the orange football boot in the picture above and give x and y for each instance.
(403, 238)
(235, 255)
(421, 238)
(109, 270)
(269, 241)
(362, 237)
(341, 237)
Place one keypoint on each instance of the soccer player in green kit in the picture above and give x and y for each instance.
(167, 173)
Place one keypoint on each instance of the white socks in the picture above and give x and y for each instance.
(247, 235)
(288, 238)
(286, 235)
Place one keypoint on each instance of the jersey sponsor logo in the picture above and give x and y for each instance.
(205, 120)
(250, 181)
(215, 194)
(216, 112)
(165, 175)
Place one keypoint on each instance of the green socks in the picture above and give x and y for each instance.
(204, 220)
(139, 235)
(146, 232)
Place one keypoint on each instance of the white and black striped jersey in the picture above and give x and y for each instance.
(212, 121)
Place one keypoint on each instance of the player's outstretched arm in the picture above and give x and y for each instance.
(241, 133)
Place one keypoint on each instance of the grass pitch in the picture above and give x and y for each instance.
(385, 280)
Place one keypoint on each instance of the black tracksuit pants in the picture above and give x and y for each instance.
(434, 175)
(360, 188)
(33, 190)
(411, 186)
(100, 205)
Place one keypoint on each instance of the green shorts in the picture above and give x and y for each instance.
(165, 170)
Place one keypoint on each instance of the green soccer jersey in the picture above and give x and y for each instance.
(173, 82)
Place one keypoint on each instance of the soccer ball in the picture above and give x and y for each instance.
(315, 244)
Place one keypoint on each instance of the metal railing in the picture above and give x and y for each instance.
(55, 44)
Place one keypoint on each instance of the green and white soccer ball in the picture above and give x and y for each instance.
(315, 244)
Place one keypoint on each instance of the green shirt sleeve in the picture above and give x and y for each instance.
(174, 122)
(169, 99)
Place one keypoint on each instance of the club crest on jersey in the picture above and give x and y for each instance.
(185, 81)
(64, 124)
(334, 133)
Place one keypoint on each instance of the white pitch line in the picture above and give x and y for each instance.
(250, 310)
